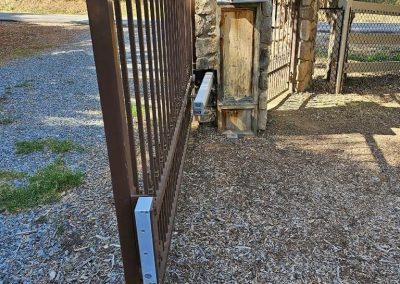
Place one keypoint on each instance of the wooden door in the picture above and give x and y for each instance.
(237, 42)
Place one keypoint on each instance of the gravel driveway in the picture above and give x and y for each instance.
(315, 199)
(55, 95)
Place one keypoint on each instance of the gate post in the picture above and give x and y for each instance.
(346, 5)
(335, 33)
(109, 78)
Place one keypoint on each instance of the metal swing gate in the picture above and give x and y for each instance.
(283, 47)
(144, 72)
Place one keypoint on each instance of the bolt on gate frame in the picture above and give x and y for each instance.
(144, 73)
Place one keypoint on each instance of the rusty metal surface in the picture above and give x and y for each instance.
(145, 82)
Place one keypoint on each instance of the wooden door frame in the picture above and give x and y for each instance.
(256, 8)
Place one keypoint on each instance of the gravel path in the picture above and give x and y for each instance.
(55, 95)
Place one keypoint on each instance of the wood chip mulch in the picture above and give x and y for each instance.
(314, 199)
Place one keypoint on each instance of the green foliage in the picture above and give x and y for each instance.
(376, 57)
(134, 109)
(43, 187)
(39, 145)
(391, 2)
(6, 175)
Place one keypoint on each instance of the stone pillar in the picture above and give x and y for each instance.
(206, 35)
(308, 18)
(265, 42)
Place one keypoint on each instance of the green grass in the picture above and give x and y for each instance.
(376, 57)
(50, 144)
(45, 186)
(6, 175)
(6, 121)
(134, 110)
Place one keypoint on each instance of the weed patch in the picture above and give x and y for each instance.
(45, 186)
(6, 175)
(6, 121)
(134, 110)
(376, 57)
(8, 91)
(27, 84)
(40, 145)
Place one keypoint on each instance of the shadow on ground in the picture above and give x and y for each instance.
(314, 199)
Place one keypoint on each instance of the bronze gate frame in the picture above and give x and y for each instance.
(283, 48)
(146, 129)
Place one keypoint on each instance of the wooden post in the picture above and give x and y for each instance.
(346, 4)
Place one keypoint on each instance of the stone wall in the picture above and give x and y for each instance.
(265, 42)
(206, 34)
(308, 20)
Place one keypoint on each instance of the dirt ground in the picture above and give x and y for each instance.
(33, 38)
(75, 7)
(314, 199)
(44, 6)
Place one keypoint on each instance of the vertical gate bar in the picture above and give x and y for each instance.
(281, 27)
(165, 70)
(127, 95)
(295, 30)
(346, 4)
(155, 119)
(157, 19)
(274, 11)
(167, 24)
(178, 42)
(167, 58)
(158, 95)
(138, 99)
(193, 40)
(179, 25)
(162, 32)
(109, 77)
(175, 52)
(145, 93)
(167, 6)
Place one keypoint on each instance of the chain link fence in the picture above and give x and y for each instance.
(327, 46)
(373, 38)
